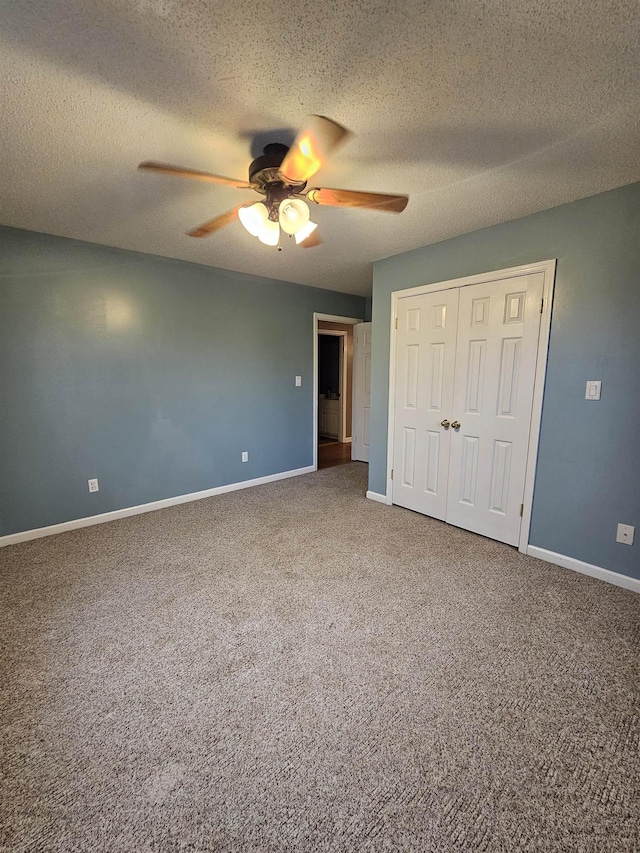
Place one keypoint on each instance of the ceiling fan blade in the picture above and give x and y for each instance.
(312, 240)
(167, 169)
(310, 148)
(355, 198)
(216, 223)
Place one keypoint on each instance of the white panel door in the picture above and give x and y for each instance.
(425, 359)
(361, 392)
(496, 351)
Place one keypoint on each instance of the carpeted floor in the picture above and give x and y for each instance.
(295, 668)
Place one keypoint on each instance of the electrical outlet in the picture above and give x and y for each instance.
(625, 534)
(298, 381)
(93, 485)
(245, 455)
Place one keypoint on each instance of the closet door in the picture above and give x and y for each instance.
(496, 351)
(425, 357)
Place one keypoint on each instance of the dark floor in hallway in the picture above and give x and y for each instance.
(336, 453)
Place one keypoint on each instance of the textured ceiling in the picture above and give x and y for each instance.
(480, 111)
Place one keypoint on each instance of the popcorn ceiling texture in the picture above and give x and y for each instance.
(295, 668)
(481, 112)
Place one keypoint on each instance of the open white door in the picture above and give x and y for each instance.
(361, 392)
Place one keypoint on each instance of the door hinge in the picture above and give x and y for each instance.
(521, 510)
(396, 322)
(392, 473)
(541, 306)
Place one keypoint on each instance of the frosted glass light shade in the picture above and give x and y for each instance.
(253, 217)
(293, 214)
(269, 233)
(305, 231)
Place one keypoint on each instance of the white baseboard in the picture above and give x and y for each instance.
(375, 496)
(584, 568)
(39, 532)
(347, 440)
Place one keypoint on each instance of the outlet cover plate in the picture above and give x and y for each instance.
(625, 534)
(93, 485)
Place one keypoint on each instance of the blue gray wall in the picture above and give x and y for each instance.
(368, 302)
(588, 476)
(151, 374)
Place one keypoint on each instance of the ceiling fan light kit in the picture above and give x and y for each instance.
(293, 218)
(270, 233)
(253, 217)
(293, 215)
(280, 174)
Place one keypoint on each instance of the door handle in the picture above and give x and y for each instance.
(445, 423)
(456, 425)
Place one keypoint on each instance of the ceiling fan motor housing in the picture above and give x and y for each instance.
(271, 158)
(264, 173)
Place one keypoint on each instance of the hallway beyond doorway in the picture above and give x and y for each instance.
(333, 453)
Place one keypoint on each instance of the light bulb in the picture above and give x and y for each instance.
(253, 217)
(269, 233)
(293, 215)
(305, 231)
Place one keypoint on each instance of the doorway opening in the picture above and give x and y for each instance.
(333, 389)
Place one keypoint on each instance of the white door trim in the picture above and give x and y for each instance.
(332, 318)
(548, 268)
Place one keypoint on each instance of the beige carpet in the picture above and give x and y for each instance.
(295, 668)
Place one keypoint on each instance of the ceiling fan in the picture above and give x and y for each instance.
(280, 174)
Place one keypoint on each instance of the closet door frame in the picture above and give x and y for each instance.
(548, 269)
